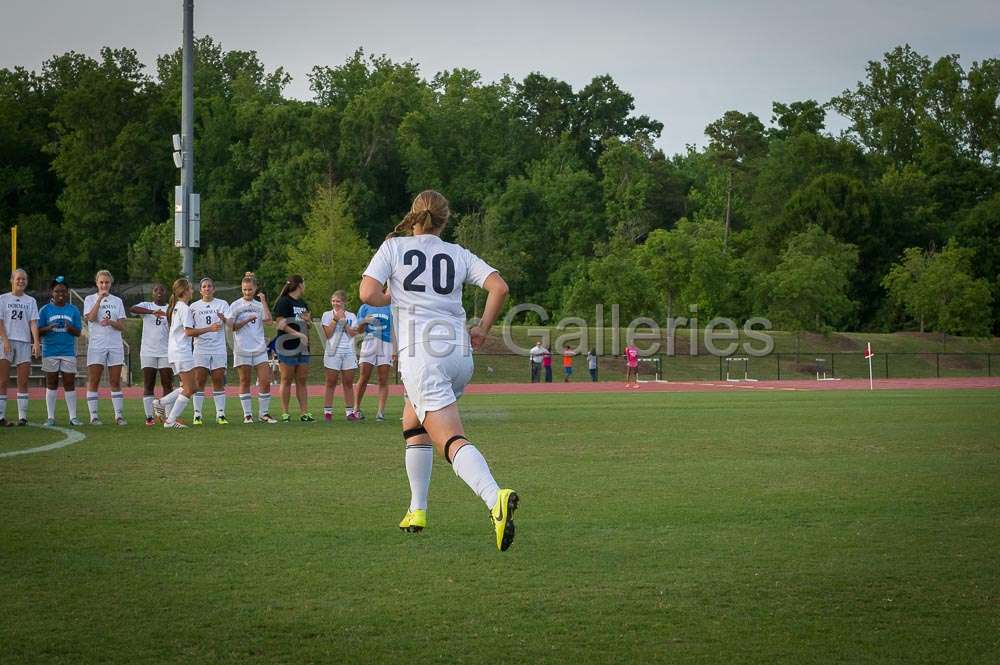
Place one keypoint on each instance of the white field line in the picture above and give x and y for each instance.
(70, 436)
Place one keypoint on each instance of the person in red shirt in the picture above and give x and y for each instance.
(547, 364)
(631, 367)
(567, 363)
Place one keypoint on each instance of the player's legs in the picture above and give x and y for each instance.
(302, 389)
(69, 394)
(364, 375)
(188, 387)
(51, 395)
(347, 380)
(418, 458)
(200, 379)
(4, 376)
(117, 397)
(329, 391)
(383, 387)
(264, 379)
(287, 375)
(94, 372)
(148, 392)
(166, 380)
(219, 393)
(23, 374)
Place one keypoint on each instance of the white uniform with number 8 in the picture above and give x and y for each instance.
(425, 276)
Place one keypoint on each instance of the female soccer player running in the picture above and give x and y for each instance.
(205, 322)
(105, 315)
(180, 353)
(376, 352)
(19, 335)
(59, 324)
(338, 356)
(425, 277)
(247, 317)
(153, 349)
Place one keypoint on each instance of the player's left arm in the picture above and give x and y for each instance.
(497, 291)
(118, 323)
(36, 344)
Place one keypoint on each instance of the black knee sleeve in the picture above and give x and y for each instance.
(447, 446)
(413, 431)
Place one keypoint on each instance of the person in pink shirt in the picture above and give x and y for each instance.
(631, 367)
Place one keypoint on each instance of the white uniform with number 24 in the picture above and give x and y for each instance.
(425, 276)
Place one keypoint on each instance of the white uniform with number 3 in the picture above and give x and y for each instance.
(425, 276)
(104, 345)
(249, 345)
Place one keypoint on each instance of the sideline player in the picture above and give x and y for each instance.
(105, 315)
(376, 352)
(425, 276)
(205, 322)
(338, 355)
(247, 317)
(153, 349)
(292, 346)
(59, 324)
(19, 335)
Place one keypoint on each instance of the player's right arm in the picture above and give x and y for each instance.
(191, 331)
(497, 291)
(376, 275)
(95, 311)
(3, 338)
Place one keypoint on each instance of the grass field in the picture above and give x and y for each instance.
(758, 527)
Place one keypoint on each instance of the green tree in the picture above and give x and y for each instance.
(332, 254)
(153, 256)
(809, 288)
(735, 139)
(806, 117)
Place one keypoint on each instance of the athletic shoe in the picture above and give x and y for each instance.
(307, 417)
(174, 425)
(50, 422)
(75, 422)
(5, 423)
(327, 417)
(197, 419)
(380, 417)
(248, 420)
(266, 418)
(120, 421)
(96, 421)
(150, 422)
(414, 521)
(220, 419)
(159, 411)
(353, 417)
(359, 415)
(22, 422)
(285, 418)
(502, 517)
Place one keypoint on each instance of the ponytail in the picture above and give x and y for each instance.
(429, 211)
(292, 283)
(177, 291)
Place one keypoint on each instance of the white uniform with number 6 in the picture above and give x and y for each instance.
(425, 276)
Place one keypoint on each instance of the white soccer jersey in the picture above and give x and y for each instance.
(250, 338)
(17, 313)
(339, 341)
(179, 344)
(104, 338)
(155, 331)
(202, 314)
(425, 276)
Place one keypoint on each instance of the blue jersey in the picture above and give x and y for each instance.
(58, 342)
(381, 326)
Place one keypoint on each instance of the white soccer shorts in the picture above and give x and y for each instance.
(64, 364)
(183, 365)
(154, 362)
(434, 380)
(210, 361)
(106, 357)
(376, 351)
(340, 361)
(251, 359)
(20, 353)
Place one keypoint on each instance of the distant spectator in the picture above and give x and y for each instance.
(547, 364)
(567, 363)
(592, 364)
(536, 354)
(631, 367)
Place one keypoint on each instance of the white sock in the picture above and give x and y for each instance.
(328, 409)
(246, 401)
(419, 464)
(168, 400)
(264, 403)
(199, 399)
(220, 402)
(71, 403)
(3, 406)
(50, 402)
(22, 406)
(180, 403)
(117, 401)
(470, 465)
(92, 404)
(147, 405)
(348, 411)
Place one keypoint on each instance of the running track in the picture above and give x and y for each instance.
(964, 383)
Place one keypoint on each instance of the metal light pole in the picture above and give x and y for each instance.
(187, 212)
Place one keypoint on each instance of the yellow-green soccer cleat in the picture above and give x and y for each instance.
(414, 521)
(502, 517)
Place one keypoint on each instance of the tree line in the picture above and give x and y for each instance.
(890, 225)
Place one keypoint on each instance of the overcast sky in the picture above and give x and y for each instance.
(685, 63)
